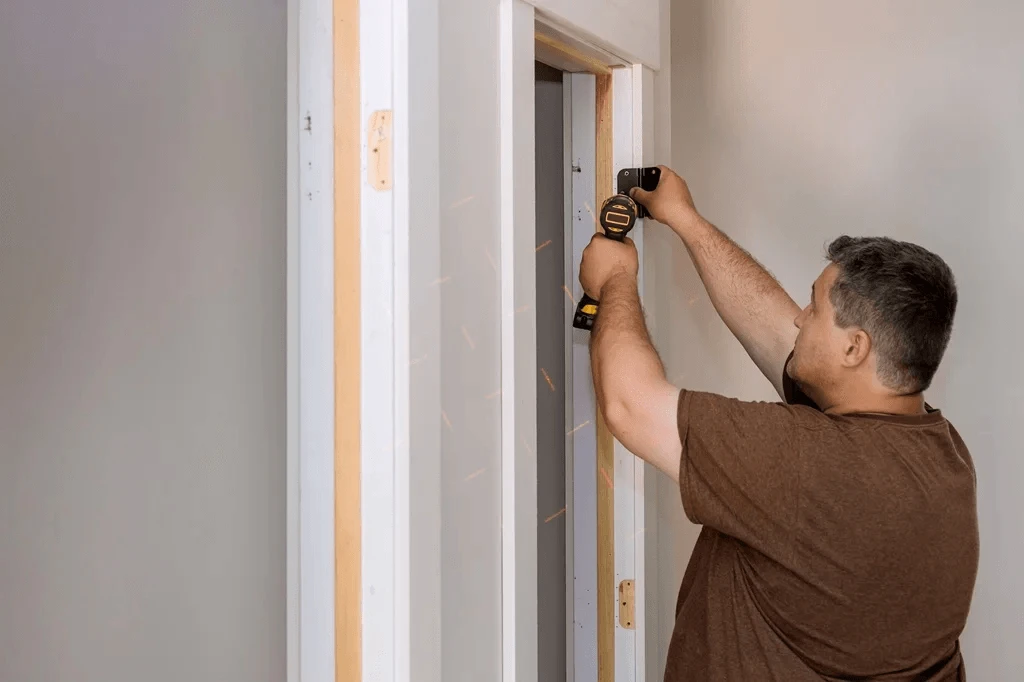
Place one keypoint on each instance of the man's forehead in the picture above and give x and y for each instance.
(826, 278)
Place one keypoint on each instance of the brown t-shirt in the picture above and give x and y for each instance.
(833, 548)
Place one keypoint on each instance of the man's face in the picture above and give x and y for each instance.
(819, 346)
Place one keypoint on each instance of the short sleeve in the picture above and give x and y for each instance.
(740, 471)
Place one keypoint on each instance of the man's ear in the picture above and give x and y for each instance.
(858, 347)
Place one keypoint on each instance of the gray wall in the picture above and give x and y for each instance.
(552, 326)
(470, 348)
(662, 509)
(796, 122)
(142, 340)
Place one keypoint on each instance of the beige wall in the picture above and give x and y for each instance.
(142, 341)
(796, 122)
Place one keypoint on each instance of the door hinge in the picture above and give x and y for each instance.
(627, 605)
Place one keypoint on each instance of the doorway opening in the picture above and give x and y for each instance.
(554, 625)
(575, 455)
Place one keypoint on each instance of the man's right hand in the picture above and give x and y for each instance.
(751, 303)
(670, 202)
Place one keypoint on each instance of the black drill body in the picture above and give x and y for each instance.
(619, 214)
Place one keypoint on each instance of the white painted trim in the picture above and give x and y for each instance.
(627, 29)
(518, 343)
(629, 121)
(417, 241)
(583, 428)
(569, 311)
(292, 525)
(643, 154)
(625, 462)
(385, 619)
(400, 442)
(315, 341)
(384, 337)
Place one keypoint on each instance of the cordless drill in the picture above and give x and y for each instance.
(619, 214)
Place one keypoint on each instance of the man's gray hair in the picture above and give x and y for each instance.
(904, 297)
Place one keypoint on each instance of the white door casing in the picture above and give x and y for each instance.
(632, 117)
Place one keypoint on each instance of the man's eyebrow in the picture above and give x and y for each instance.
(812, 292)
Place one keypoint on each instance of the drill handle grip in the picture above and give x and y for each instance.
(586, 313)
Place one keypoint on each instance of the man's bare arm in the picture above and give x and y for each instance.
(754, 306)
(750, 301)
(637, 401)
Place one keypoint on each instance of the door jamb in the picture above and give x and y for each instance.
(310, 455)
(622, 128)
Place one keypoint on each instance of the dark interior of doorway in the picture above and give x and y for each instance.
(551, 338)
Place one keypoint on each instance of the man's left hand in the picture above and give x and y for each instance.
(603, 259)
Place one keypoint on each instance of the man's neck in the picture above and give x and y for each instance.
(876, 403)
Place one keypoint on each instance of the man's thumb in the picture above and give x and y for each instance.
(639, 195)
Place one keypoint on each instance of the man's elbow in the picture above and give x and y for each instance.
(619, 416)
(627, 400)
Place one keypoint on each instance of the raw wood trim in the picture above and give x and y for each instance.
(562, 56)
(347, 188)
(606, 593)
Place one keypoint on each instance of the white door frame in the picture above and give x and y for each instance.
(310, 363)
(631, 115)
(518, 343)
(391, 602)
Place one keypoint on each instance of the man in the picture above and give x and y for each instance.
(840, 535)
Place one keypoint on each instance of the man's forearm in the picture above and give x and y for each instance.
(629, 379)
(620, 347)
(750, 301)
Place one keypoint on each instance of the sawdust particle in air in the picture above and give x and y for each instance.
(547, 378)
(591, 212)
(441, 280)
(461, 202)
(607, 479)
(547, 243)
(469, 339)
(490, 259)
(555, 515)
(475, 474)
(569, 433)
(569, 294)
(447, 422)
(491, 396)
